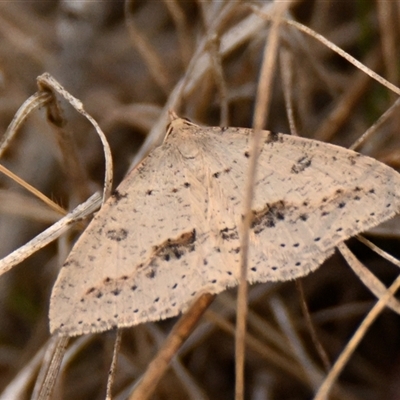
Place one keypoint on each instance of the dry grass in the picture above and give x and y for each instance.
(203, 60)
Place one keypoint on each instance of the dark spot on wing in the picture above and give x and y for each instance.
(117, 234)
(273, 137)
(69, 262)
(301, 164)
(151, 274)
(149, 192)
(117, 195)
(268, 216)
(229, 233)
(175, 248)
(246, 154)
(352, 160)
(304, 217)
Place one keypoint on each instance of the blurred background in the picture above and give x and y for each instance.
(129, 62)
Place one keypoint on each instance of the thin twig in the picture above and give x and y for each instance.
(182, 329)
(336, 49)
(311, 328)
(33, 190)
(367, 277)
(35, 101)
(113, 367)
(47, 83)
(50, 234)
(147, 52)
(54, 368)
(352, 344)
(260, 116)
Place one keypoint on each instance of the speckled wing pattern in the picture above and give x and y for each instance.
(171, 230)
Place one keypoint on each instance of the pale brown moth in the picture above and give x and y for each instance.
(171, 230)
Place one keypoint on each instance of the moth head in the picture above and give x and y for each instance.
(176, 123)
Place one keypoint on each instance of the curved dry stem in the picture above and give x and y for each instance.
(325, 388)
(46, 82)
(35, 101)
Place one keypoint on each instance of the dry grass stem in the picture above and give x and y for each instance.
(113, 368)
(311, 328)
(33, 190)
(130, 63)
(181, 330)
(50, 377)
(264, 92)
(368, 278)
(345, 355)
(50, 234)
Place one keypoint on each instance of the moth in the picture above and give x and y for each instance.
(171, 231)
